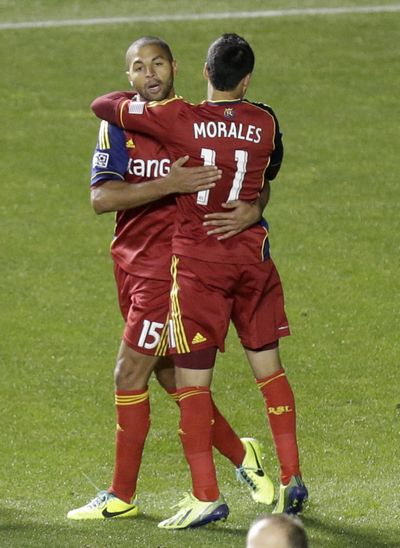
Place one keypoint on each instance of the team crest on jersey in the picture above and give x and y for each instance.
(229, 113)
(136, 107)
(100, 159)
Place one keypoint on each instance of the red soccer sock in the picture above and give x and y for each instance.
(133, 423)
(224, 438)
(280, 405)
(196, 427)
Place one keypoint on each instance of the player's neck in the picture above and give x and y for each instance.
(232, 95)
(224, 96)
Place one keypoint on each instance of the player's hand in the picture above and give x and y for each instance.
(184, 180)
(239, 216)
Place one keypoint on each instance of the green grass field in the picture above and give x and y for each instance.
(334, 218)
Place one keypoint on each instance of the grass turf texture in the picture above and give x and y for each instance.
(334, 225)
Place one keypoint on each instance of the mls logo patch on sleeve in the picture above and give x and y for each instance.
(100, 159)
(136, 107)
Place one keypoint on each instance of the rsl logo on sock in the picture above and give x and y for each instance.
(279, 410)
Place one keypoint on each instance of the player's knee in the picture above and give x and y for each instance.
(132, 370)
(124, 373)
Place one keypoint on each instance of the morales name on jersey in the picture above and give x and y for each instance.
(212, 130)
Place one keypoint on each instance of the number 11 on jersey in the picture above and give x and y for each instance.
(241, 156)
(208, 156)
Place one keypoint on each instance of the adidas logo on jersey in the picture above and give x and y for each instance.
(130, 144)
(198, 338)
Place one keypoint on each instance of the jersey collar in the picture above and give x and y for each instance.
(222, 103)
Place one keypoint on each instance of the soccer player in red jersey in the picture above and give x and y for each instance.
(214, 280)
(131, 175)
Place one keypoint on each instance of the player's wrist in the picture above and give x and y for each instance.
(164, 186)
(170, 184)
(258, 208)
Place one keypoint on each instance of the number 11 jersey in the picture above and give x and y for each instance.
(239, 137)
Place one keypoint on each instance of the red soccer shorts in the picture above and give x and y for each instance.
(205, 296)
(144, 307)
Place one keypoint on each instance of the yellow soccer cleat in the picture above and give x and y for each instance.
(105, 506)
(252, 473)
(195, 513)
(292, 497)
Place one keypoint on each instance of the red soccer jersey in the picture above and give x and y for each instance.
(238, 136)
(143, 235)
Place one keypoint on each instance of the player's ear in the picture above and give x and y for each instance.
(246, 82)
(205, 71)
(246, 79)
(129, 78)
(174, 67)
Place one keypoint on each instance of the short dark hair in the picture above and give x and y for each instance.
(147, 40)
(229, 59)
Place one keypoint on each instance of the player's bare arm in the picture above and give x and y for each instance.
(119, 195)
(238, 215)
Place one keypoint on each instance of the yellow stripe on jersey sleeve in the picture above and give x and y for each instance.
(121, 111)
(104, 140)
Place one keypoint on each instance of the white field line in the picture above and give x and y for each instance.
(200, 16)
